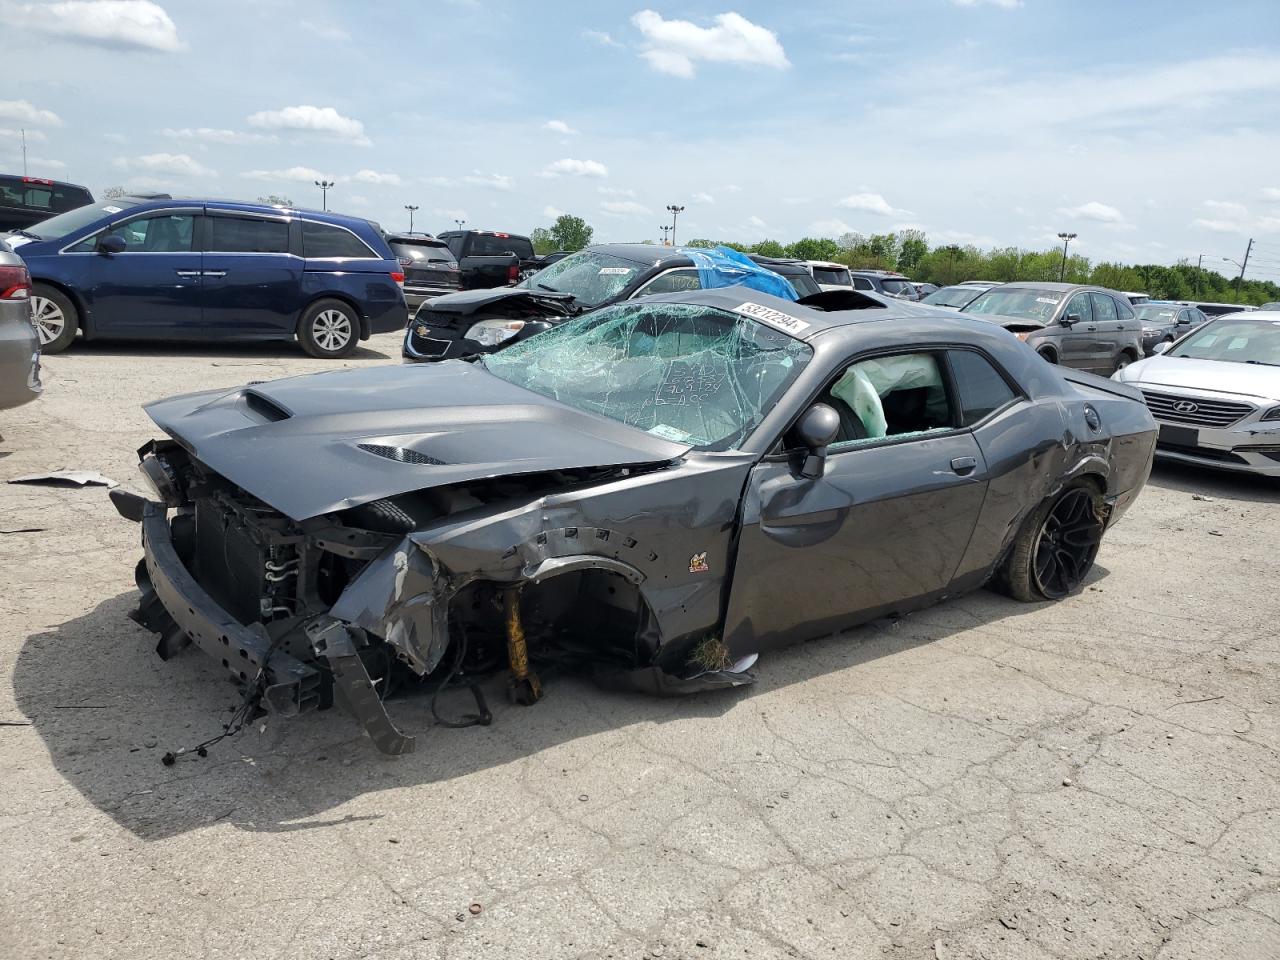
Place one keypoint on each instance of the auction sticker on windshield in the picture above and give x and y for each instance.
(614, 271)
(774, 318)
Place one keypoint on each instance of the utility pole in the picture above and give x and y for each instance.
(665, 228)
(1240, 279)
(24, 151)
(324, 186)
(410, 207)
(1199, 261)
(675, 212)
(1066, 238)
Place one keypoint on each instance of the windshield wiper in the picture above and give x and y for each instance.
(27, 233)
(1263, 363)
(548, 289)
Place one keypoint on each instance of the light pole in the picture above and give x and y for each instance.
(1066, 238)
(665, 228)
(459, 222)
(675, 212)
(411, 207)
(324, 186)
(1199, 262)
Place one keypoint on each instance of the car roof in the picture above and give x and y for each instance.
(239, 206)
(826, 264)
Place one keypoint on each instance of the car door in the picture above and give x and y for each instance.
(252, 279)
(883, 529)
(1076, 342)
(1110, 335)
(153, 286)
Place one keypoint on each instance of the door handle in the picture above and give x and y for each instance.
(1094, 327)
(187, 273)
(215, 273)
(964, 465)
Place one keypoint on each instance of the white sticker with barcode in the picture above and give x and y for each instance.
(614, 271)
(112, 209)
(1045, 300)
(774, 318)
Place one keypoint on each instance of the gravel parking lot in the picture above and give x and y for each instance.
(1094, 778)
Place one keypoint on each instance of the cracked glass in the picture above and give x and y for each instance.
(691, 374)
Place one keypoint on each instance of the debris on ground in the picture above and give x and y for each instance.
(67, 478)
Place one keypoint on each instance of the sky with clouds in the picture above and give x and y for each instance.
(1151, 128)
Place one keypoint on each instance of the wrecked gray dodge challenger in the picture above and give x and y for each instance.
(656, 492)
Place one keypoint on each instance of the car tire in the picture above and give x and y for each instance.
(1057, 545)
(1049, 356)
(382, 516)
(329, 330)
(1125, 359)
(57, 318)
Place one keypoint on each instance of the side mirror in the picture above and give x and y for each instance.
(1161, 347)
(1071, 319)
(111, 244)
(816, 429)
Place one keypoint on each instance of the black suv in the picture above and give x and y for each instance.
(1089, 328)
(429, 267)
(28, 200)
(884, 283)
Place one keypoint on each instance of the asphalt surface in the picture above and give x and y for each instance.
(1093, 778)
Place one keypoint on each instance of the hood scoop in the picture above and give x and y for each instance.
(399, 454)
(264, 407)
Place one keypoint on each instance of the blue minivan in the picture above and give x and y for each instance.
(168, 268)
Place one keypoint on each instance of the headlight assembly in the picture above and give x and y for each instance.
(1272, 414)
(493, 332)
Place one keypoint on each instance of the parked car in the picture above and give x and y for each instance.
(884, 283)
(481, 321)
(1089, 328)
(1136, 298)
(1216, 394)
(1273, 305)
(924, 289)
(211, 270)
(1164, 322)
(657, 492)
(488, 259)
(28, 200)
(1212, 309)
(428, 265)
(957, 296)
(830, 276)
(19, 342)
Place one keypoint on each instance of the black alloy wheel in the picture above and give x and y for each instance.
(1067, 544)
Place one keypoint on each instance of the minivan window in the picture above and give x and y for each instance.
(55, 228)
(247, 235)
(157, 233)
(324, 241)
(495, 245)
(431, 252)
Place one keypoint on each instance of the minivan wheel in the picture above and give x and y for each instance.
(57, 318)
(329, 329)
(1048, 356)
(1057, 545)
(1124, 361)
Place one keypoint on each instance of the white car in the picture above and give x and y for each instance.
(1215, 394)
(830, 276)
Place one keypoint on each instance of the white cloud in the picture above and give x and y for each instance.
(378, 179)
(674, 46)
(600, 37)
(1232, 211)
(451, 214)
(438, 181)
(756, 222)
(166, 164)
(118, 24)
(559, 126)
(39, 163)
(295, 174)
(20, 111)
(325, 31)
(1002, 4)
(703, 198)
(830, 228)
(1229, 217)
(493, 181)
(1271, 193)
(1220, 226)
(308, 119)
(576, 168)
(625, 208)
(731, 188)
(33, 136)
(871, 203)
(211, 135)
(615, 192)
(552, 213)
(1095, 211)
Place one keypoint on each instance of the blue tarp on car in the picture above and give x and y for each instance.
(726, 267)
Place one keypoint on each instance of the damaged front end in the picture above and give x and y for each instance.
(352, 606)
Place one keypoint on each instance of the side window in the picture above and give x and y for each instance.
(325, 241)
(159, 233)
(673, 281)
(1125, 308)
(89, 244)
(454, 242)
(247, 235)
(862, 283)
(889, 397)
(1079, 305)
(980, 388)
(1104, 308)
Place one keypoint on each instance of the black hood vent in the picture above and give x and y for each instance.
(399, 454)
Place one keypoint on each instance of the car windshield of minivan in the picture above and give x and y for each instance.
(687, 373)
(1156, 313)
(590, 276)
(55, 228)
(1025, 304)
(1235, 340)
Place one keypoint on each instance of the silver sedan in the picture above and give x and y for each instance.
(19, 342)
(1215, 394)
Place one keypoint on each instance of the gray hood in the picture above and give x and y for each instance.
(327, 441)
(1246, 379)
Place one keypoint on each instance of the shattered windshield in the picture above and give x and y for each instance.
(691, 374)
(1025, 304)
(592, 277)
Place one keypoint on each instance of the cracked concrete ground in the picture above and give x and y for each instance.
(1094, 778)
